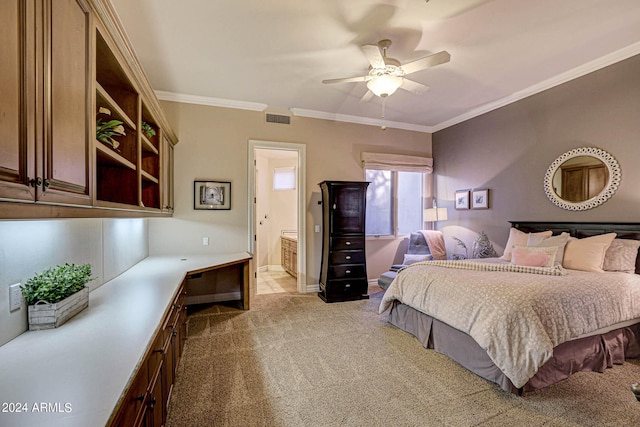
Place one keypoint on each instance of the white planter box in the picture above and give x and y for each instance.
(47, 316)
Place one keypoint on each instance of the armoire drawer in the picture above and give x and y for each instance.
(347, 271)
(347, 242)
(347, 257)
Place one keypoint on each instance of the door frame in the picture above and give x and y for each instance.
(301, 149)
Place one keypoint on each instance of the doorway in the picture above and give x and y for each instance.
(277, 216)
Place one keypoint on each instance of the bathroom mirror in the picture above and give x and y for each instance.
(582, 179)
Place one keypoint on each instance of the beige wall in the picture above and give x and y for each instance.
(509, 150)
(214, 145)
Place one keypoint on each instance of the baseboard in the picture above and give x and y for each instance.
(263, 269)
(312, 288)
(204, 299)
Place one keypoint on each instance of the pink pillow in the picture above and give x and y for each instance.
(519, 238)
(532, 256)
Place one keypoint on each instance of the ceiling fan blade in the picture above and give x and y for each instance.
(367, 96)
(372, 52)
(345, 80)
(426, 62)
(412, 86)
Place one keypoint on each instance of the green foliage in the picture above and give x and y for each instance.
(148, 130)
(106, 130)
(57, 283)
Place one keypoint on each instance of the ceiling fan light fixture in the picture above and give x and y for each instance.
(384, 85)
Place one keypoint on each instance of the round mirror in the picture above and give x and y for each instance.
(582, 179)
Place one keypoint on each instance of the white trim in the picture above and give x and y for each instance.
(584, 69)
(206, 100)
(301, 112)
(313, 288)
(301, 185)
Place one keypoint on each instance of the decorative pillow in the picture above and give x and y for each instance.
(621, 256)
(587, 254)
(519, 238)
(560, 241)
(411, 258)
(482, 247)
(534, 256)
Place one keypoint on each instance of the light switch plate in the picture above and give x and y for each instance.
(15, 297)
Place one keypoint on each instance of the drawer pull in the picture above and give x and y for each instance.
(348, 285)
(348, 257)
(348, 271)
(347, 243)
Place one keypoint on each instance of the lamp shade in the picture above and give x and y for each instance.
(435, 214)
(384, 85)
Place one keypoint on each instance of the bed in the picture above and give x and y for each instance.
(525, 328)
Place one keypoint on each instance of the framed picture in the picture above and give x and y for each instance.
(480, 199)
(462, 199)
(211, 195)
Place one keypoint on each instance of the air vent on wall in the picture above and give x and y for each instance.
(277, 118)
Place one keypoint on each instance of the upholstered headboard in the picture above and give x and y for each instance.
(624, 230)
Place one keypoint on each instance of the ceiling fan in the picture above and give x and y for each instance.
(386, 74)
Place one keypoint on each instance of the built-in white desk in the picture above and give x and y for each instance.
(75, 375)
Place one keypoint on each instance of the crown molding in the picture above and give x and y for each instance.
(213, 102)
(301, 112)
(582, 70)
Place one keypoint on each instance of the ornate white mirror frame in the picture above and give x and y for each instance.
(610, 186)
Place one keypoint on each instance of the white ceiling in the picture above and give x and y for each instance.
(268, 54)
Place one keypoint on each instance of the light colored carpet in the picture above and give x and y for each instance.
(293, 360)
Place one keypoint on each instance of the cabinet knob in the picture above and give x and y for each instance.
(347, 243)
(334, 206)
(47, 184)
(348, 285)
(37, 182)
(348, 257)
(348, 271)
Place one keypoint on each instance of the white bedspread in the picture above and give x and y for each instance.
(517, 317)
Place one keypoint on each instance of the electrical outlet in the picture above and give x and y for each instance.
(15, 297)
(205, 241)
(317, 229)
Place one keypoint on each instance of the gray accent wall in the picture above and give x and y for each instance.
(509, 150)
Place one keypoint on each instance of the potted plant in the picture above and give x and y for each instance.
(56, 295)
(148, 130)
(106, 130)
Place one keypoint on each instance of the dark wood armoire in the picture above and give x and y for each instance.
(343, 272)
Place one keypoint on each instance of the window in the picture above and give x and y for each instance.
(284, 178)
(394, 202)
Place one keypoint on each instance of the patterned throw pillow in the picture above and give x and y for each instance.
(482, 247)
(621, 256)
(534, 256)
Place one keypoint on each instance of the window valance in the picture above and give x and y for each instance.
(396, 162)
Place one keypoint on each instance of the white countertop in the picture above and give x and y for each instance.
(75, 374)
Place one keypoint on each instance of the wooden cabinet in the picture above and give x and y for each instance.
(44, 133)
(64, 60)
(289, 255)
(343, 272)
(146, 401)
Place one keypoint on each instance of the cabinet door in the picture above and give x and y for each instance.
(67, 92)
(347, 205)
(17, 87)
(167, 176)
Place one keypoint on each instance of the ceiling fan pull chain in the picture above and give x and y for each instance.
(384, 103)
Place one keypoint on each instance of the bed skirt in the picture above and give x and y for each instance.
(593, 353)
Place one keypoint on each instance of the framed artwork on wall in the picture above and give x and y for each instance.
(462, 199)
(211, 195)
(480, 199)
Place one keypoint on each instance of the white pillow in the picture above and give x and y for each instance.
(519, 238)
(587, 254)
(411, 258)
(621, 256)
(559, 241)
